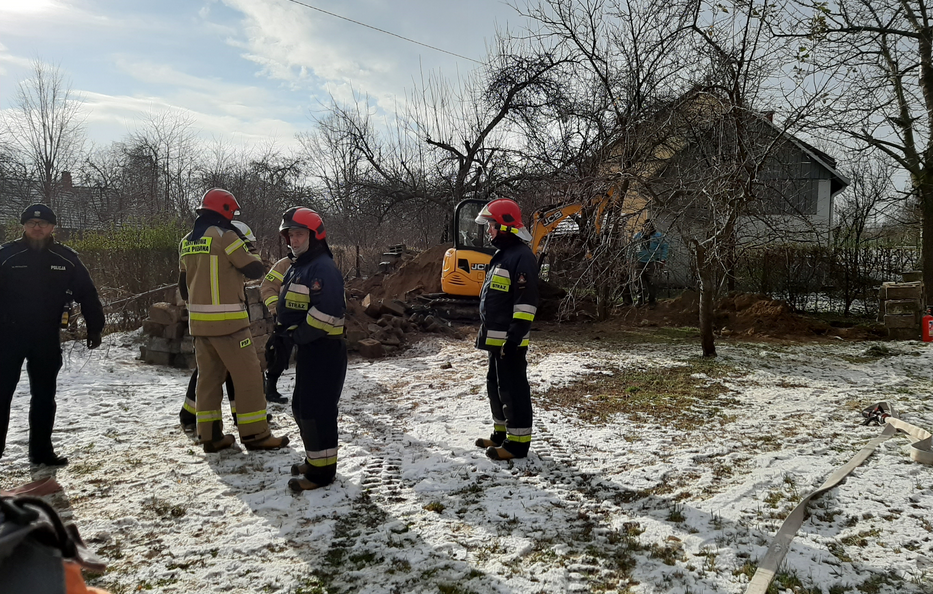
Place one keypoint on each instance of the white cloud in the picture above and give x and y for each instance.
(287, 40)
(17, 62)
(26, 6)
(117, 116)
(237, 65)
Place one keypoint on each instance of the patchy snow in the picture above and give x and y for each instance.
(628, 506)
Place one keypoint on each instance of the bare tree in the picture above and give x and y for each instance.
(164, 152)
(46, 127)
(870, 201)
(376, 180)
(719, 145)
(624, 61)
(877, 56)
(353, 174)
(468, 124)
(265, 181)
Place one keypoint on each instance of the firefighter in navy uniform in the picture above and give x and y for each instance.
(311, 308)
(214, 263)
(508, 303)
(39, 278)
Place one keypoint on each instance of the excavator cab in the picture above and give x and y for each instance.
(465, 264)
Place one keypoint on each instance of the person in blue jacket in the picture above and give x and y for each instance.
(311, 309)
(650, 260)
(508, 304)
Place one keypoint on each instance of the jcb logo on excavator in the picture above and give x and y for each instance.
(479, 267)
(552, 216)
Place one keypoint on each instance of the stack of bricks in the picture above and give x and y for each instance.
(168, 341)
(901, 308)
(386, 326)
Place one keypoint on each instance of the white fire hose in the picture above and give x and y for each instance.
(920, 451)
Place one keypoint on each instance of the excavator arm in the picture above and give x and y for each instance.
(544, 221)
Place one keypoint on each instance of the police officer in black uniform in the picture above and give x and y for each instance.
(39, 279)
(508, 304)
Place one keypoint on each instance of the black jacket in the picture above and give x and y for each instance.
(312, 302)
(509, 299)
(35, 285)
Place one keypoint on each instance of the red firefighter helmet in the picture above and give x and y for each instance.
(506, 216)
(220, 201)
(302, 217)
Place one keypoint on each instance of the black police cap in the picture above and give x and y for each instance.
(38, 211)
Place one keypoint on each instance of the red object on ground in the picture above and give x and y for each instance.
(45, 486)
(927, 327)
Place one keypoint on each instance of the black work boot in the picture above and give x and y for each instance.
(495, 440)
(189, 422)
(48, 458)
(212, 447)
(272, 393)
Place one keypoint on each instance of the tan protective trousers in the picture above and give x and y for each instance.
(216, 356)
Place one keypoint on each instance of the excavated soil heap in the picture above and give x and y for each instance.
(421, 274)
(747, 314)
(414, 276)
(757, 314)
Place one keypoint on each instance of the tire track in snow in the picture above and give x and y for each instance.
(377, 532)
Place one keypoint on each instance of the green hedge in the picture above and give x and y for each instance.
(131, 260)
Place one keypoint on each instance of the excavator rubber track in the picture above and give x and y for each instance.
(451, 307)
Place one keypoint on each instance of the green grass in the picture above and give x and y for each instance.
(435, 506)
(668, 395)
(783, 581)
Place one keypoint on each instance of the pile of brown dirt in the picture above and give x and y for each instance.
(416, 274)
(742, 314)
(739, 314)
(752, 314)
(421, 274)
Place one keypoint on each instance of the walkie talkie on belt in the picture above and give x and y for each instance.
(66, 310)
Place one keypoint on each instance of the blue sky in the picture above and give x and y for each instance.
(247, 71)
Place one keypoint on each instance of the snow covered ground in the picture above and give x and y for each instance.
(628, 505)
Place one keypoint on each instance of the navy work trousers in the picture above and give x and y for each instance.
(320, 370)
(43, 357)
(510, 398)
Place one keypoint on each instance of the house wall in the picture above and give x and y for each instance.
(755, 230)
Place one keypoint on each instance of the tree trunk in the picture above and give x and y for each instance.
(705, 272)
(731, 263)
(925, 191)
(603, 307)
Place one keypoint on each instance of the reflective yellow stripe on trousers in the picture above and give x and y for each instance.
(322, 457)
(217, 313)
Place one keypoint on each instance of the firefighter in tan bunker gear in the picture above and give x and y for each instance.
(214, 263)
(280, 345)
